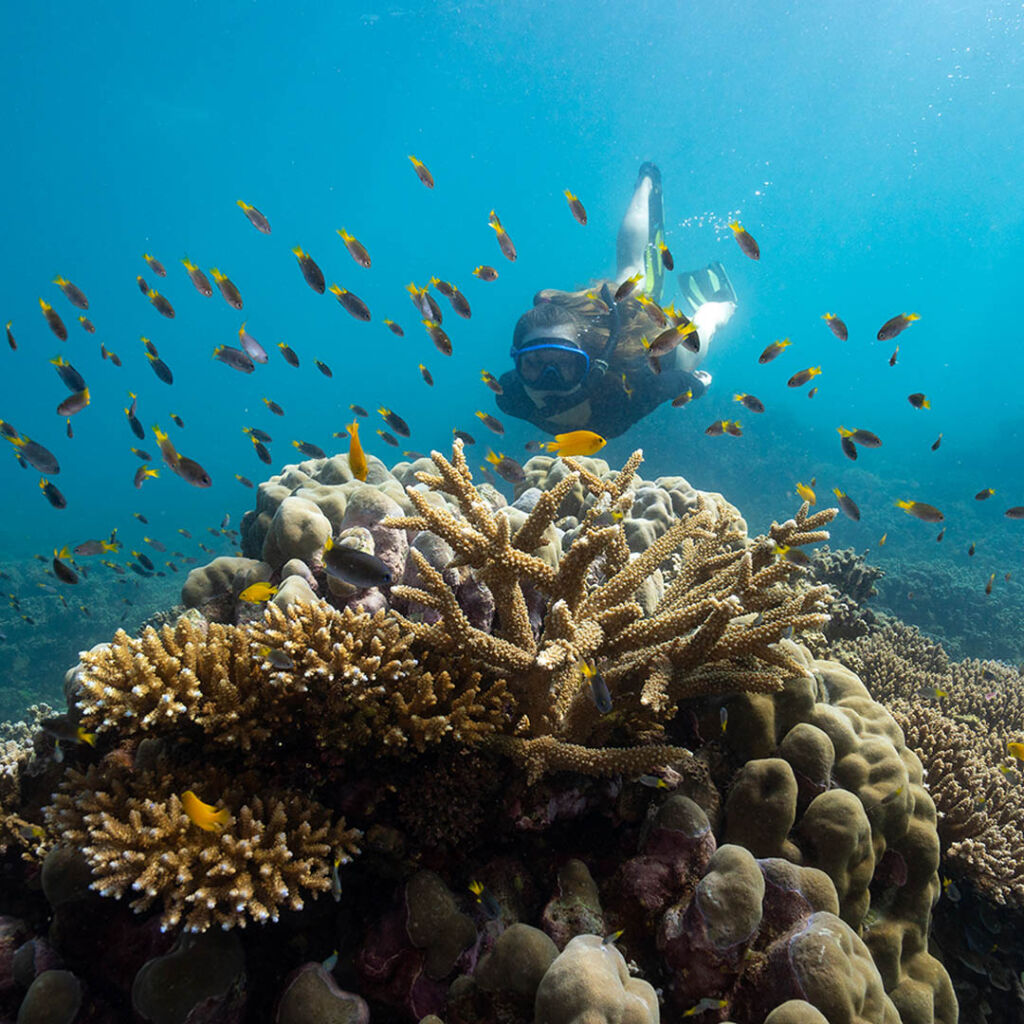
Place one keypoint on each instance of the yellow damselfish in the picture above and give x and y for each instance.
(206, 816)
(807, 493)
(257, 592)
(576, 442)
(1017, 749)
(356, 457)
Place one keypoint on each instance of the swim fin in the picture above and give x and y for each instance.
(709, 284)
(654, 270)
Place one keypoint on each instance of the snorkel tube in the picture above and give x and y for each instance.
(599, 365)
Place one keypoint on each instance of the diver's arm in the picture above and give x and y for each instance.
(672, 383)
(513, 400)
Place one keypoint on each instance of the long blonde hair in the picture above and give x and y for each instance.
(591, 314)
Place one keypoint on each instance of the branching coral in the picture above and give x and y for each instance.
(367, 681)
(343, 678)
(958, 717)
(16, 760)
(137, 839)
(716, 626)
(981, 809)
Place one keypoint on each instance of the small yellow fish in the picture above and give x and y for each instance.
(626, 386)
(746, 242)
(881, 540)
(356, 456)
(206, 816)
(356, 249)
(576, 442)
(896, 325)
(628, 286)
(491, 422)
(921, 510)
(807, 493)
(1016, 749)
(257, 592)
(773, 350)
(599, 692)
(256, 219)
(801, 377)
(575, 206)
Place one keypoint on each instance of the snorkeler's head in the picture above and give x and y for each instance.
(547, 351)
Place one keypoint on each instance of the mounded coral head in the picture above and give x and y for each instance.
(589, 983)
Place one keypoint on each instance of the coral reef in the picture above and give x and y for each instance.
(304, 670)
(958, 717)
(853, 581)
(948, 603)
(735, 829)
(715, 626)
(17, 761)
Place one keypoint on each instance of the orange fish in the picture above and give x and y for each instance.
(356, 457)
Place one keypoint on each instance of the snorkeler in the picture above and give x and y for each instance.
(582, 359)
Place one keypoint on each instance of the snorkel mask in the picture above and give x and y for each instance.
(551, 364)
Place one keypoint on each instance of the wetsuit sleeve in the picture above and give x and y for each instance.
(674, 382)
(614, 412)
(513, 400)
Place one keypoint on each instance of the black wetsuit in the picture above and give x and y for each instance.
(611, 411)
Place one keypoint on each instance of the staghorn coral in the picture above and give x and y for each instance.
(716, 625)
(958, 717)
(546, 754)
(137, 839)
(981, 809)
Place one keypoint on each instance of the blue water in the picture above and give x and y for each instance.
(875, 155)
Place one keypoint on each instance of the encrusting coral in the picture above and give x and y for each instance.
(958, 717)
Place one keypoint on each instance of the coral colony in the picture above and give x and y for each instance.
(577, 758)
